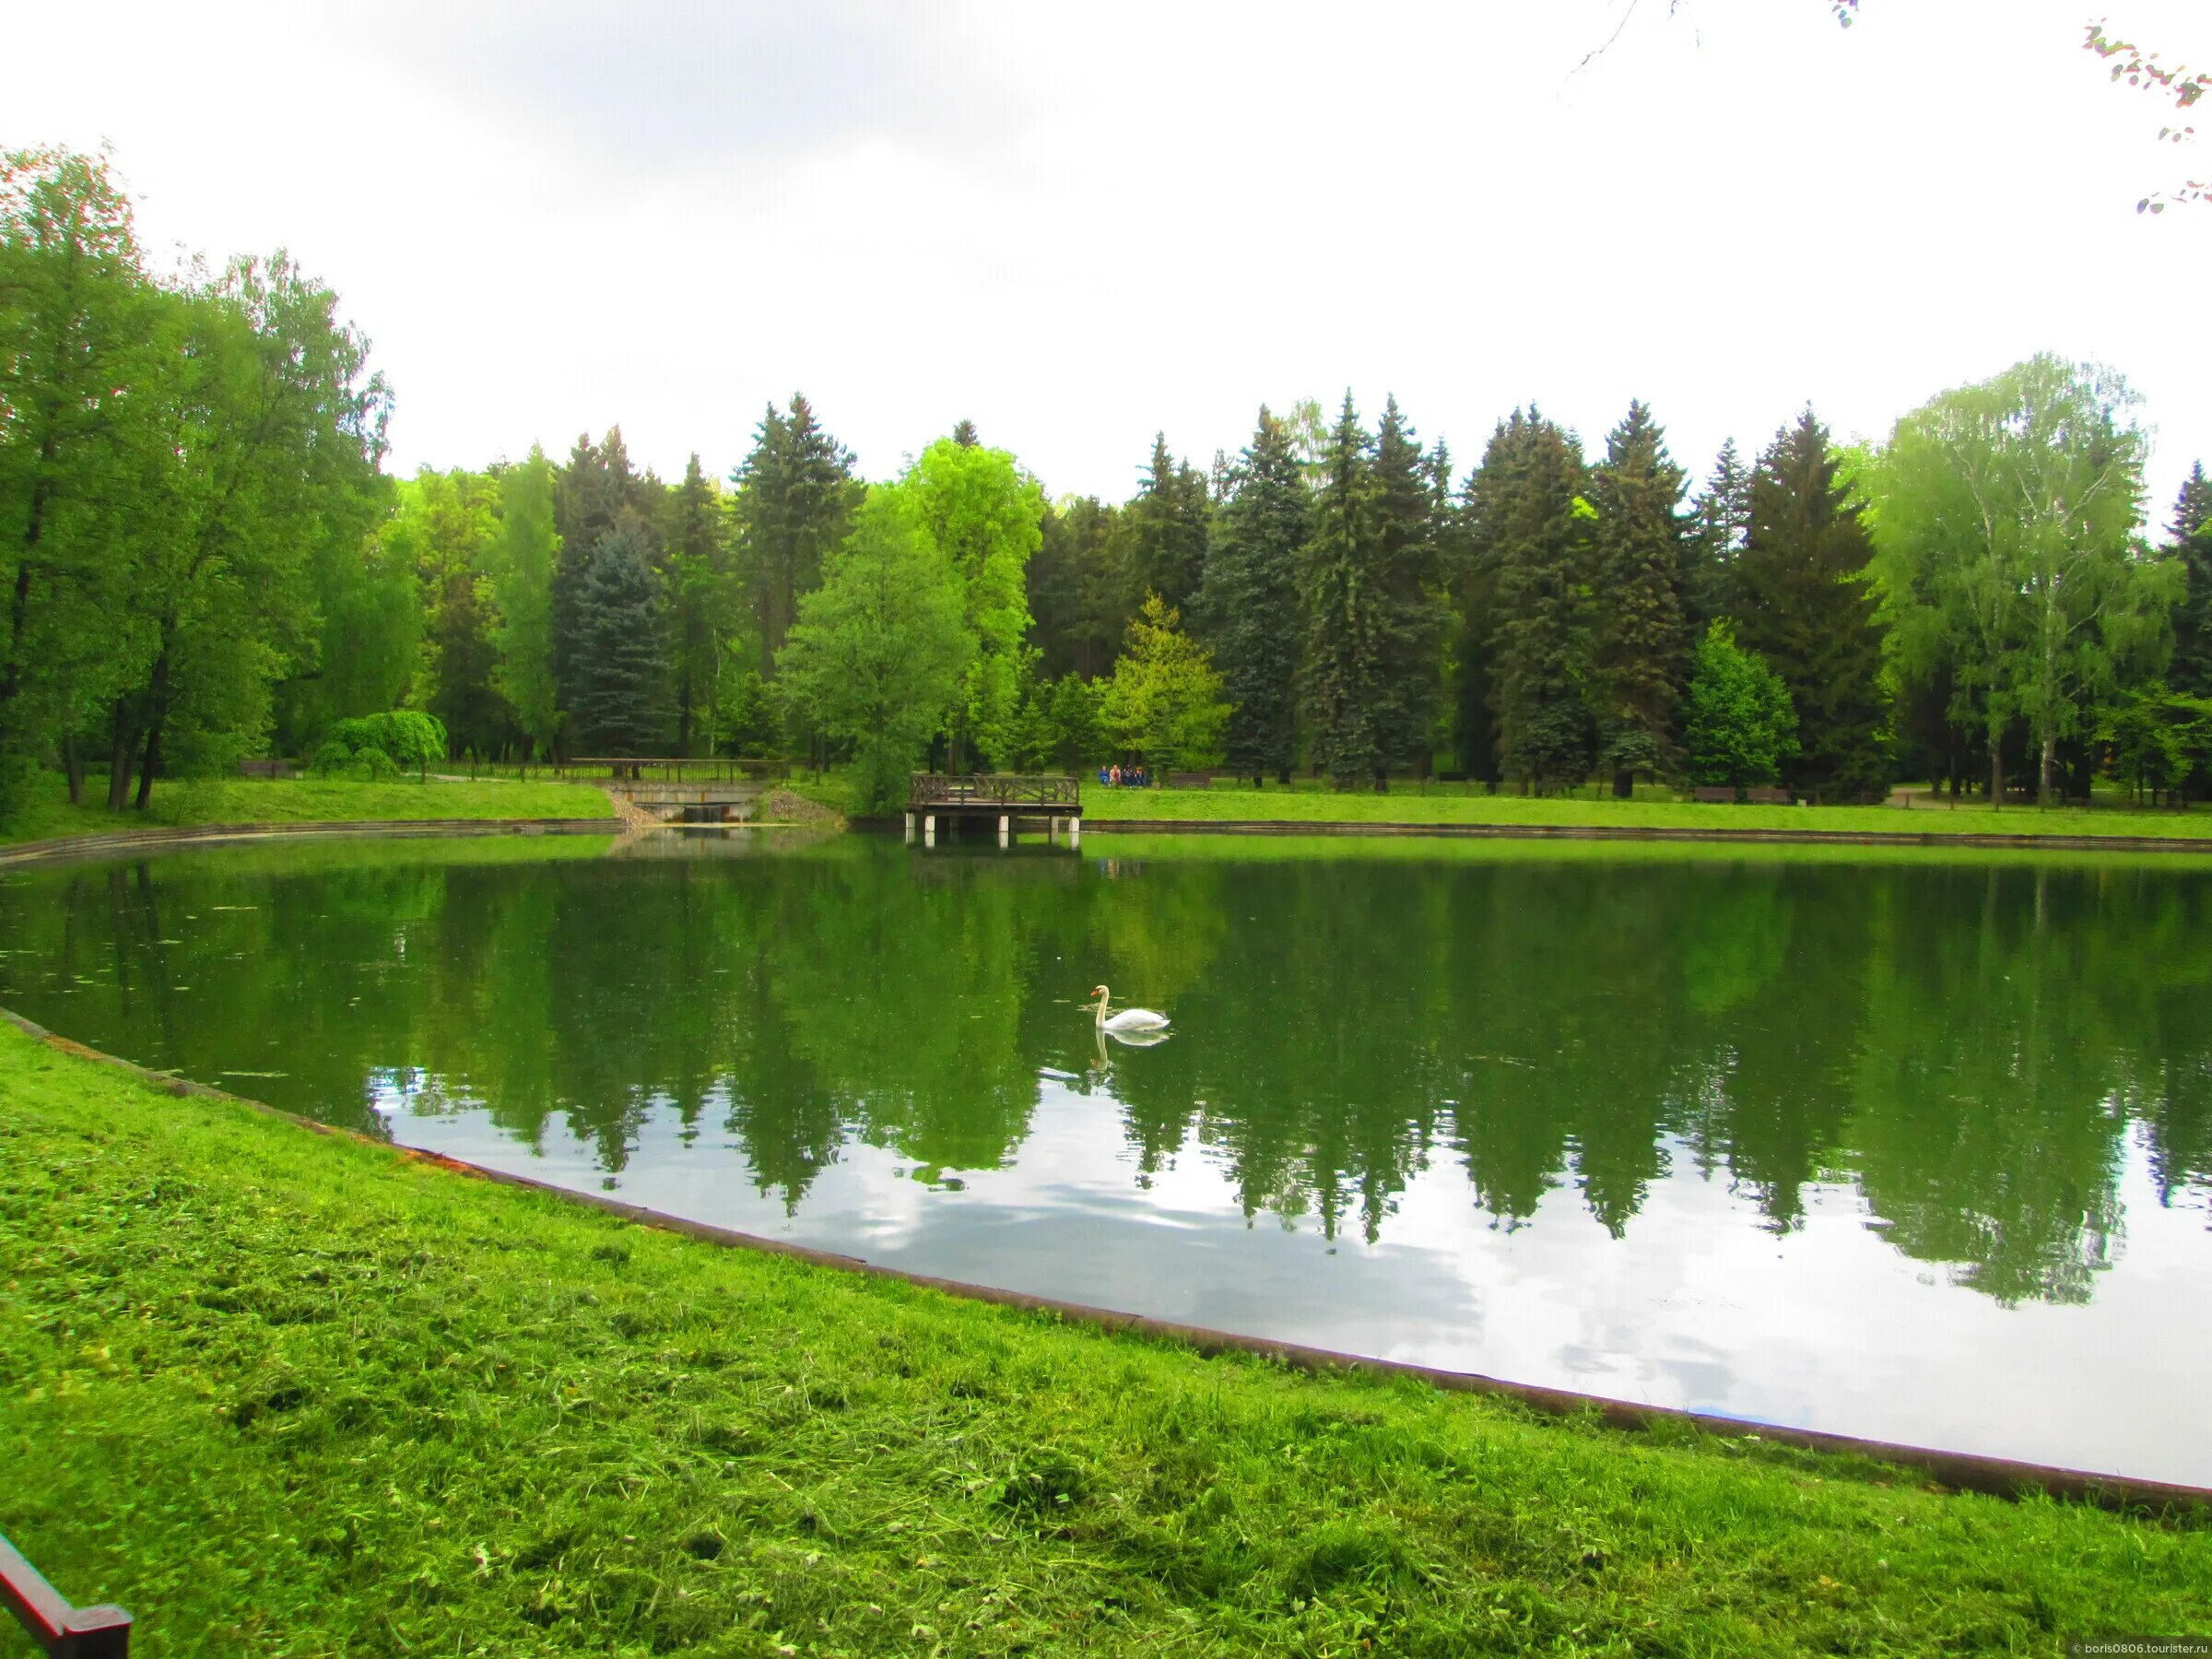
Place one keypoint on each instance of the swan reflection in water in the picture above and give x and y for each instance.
(1132, 1028)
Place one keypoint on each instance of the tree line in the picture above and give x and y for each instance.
(204, 560)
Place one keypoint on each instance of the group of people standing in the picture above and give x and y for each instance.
(1117, 777)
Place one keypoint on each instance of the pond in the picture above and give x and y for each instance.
(1914, 1147)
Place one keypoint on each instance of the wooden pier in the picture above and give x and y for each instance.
(953, 800)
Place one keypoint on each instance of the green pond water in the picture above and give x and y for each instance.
(1913, 1147)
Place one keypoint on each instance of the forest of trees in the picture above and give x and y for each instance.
(203, 559)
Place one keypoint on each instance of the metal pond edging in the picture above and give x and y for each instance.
(66, 848)
(1963, 1471)
(1626, 832)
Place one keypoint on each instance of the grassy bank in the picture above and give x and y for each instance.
(303, 800)
(1405, 805)
(287, 1394)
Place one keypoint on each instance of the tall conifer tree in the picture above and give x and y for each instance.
(620, 702)
(1721, 518)
(1530, 530)
(795, 499)
(1168, 527)
(2192, 530)
(596, 489)
(1409, 583)
(1250, 599)
(1640, 639)
(1805, 605)
(1344, 647)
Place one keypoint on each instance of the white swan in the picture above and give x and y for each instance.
(1128, 1019)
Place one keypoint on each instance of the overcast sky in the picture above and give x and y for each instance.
(1077, 225)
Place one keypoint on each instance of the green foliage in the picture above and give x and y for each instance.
(597, 493)
(704, 597)
(523, 555)
(1529, 529)
(878, 652)
(1807, 605)
(1638, 643)
(1082, 588)
(1737, 724)
(982, 513)
(1167, 522)
(1250, 599)
(1407, 590)
(795, 498)
(378, 746)
(2006, 512)
(2191, 547)
(620, 700)
(1164, 702)
(1346, 649)
(1719, 521)
(2156, 739)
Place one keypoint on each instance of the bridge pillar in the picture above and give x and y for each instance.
(1004, 823)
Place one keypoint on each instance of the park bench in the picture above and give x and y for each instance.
(1767, 797)
(1193, 780)
(64, 1631)
(262, 769)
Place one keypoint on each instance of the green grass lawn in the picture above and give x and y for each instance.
(1453, 804)
(304, 800)
(288, 1394)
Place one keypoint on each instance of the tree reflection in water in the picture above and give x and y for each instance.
(1971, 1042)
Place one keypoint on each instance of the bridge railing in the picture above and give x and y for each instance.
(64, 1631)
(996, 789)
(716, 769)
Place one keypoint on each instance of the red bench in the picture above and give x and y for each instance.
(65, 1632)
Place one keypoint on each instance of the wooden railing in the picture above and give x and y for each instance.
(65, 1632)
(994, 789)
(717, 769)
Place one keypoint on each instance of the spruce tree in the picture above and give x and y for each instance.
(1805, 605)
(1721, 518)
(964, 434)
(594, 490)
(1409, 586)
(2191, 532)
(1640, 639)
(1530, 527)
(1250, 599)
(797, 496)
(620, 706)
(1345, 649)
(1168, 527)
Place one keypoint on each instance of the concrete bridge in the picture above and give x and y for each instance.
(713, 790)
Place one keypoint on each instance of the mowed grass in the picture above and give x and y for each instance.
(300, 800)
(288, 1394)
(1454, 804)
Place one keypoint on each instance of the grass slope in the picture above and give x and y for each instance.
(1404, 805)
(284, 1394)
(305, 800)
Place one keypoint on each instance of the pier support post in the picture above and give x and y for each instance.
(910, 828)
(929, 830)
(1004, 824)
(1075, 832)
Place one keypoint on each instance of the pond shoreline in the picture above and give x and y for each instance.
(1965, 1472)
(1637, 832)
(63, 848)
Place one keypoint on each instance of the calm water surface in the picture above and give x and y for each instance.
(1915, 1148)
